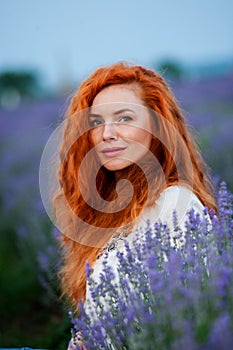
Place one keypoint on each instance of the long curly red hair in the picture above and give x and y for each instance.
(86, 229)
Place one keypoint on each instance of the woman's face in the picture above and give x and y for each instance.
(120, 126)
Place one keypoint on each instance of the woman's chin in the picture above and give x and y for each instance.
(116, 164)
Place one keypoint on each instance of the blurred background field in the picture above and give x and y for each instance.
(47, 48)
(32, 312)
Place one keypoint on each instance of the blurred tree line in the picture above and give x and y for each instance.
(16, 86)
(19, 85)
(170, 69)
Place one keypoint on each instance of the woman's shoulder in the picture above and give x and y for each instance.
(179, 196)
(179, 199)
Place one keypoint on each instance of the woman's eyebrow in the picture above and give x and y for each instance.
(120, 111)
(93, 115)
(123, 111)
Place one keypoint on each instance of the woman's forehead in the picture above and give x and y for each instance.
(116, 98)
(116, 108)
(118, 93)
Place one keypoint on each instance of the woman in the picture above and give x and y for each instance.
(126, 157)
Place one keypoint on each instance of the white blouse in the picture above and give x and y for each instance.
(178, 198)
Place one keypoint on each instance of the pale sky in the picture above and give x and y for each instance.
(70, 38)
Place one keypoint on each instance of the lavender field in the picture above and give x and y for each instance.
(31, 312)
(208, 107)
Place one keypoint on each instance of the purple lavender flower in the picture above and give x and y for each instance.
(166, 296)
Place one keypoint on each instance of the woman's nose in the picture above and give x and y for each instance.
(109, 132)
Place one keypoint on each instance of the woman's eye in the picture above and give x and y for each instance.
(95, 122)
(125, 119)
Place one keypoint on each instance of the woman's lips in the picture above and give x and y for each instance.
(113, 151)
